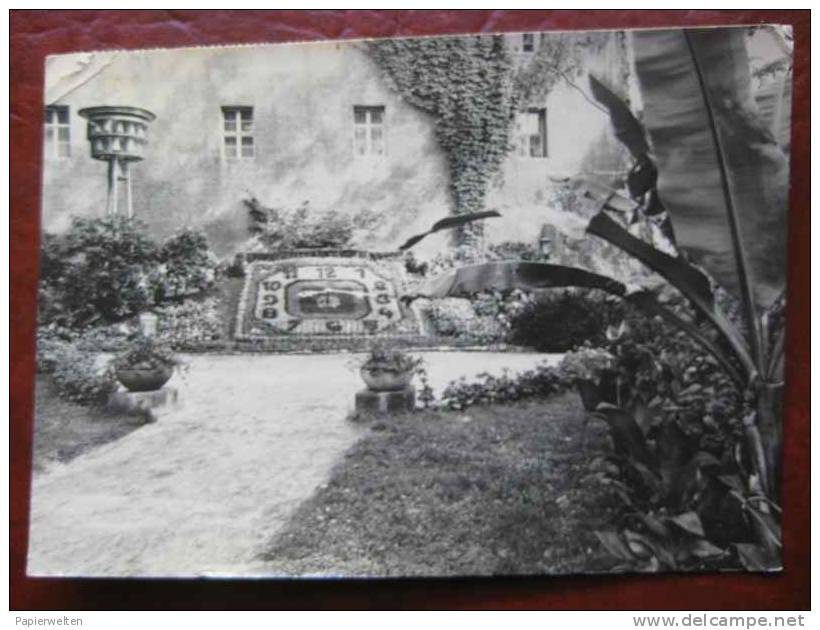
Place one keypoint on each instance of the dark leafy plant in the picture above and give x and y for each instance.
(105, 270)
(728, 207)
(674, 427)
(587, 364)
(722, 179)
(236, 268)
(186, 266)
(97, 271)
(561, 321)
(658, 541)
(52, 340)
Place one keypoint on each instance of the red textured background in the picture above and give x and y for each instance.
(34, 34)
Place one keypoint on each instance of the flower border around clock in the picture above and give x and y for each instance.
(382, 314)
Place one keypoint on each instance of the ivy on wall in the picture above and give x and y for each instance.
(468, 85)
(472, 87)
(558, 57)
(555, 59)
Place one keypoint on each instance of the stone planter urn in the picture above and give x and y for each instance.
(388, 373)
(144, 380)
(143, 369)
(380, 379)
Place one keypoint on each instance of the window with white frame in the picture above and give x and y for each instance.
(531, 133)
(528, 42)
(237, 129)
(368, 130)
(57, 131)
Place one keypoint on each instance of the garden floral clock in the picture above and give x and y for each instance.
(319, 295)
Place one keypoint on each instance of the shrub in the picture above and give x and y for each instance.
(51, 342)
(541, 381)
(482, 320)
(106, 338)
(186, 266)
(80, 378)
(97, 271)
(561, 321)
(107, 269)
(587, 363)
(456, 317)
(451, 315)
(278, 228)
(236, 268)
(190, 322)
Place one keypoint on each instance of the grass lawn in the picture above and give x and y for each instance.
(63, 430)
(493, 490)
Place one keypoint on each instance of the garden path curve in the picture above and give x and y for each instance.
(201, 490)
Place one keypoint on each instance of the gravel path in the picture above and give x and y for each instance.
(199, 491)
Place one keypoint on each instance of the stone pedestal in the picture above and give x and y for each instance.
(400, 401)
(150, 404)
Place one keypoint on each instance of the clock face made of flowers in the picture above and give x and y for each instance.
(317, 296)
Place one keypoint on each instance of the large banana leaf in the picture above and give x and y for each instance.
(626, 127)
(688, 279)
(646, 301)
(722, 176)
(448, 223)
(605, 197)
(515, 274)
(691, 282)
(508, 275)
(643, 175)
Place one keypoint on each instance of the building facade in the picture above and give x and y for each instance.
(288, 124)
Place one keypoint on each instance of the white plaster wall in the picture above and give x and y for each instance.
(577, 130)
(303, 99)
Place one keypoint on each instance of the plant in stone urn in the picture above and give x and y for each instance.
(145, 366)
(387, 368)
